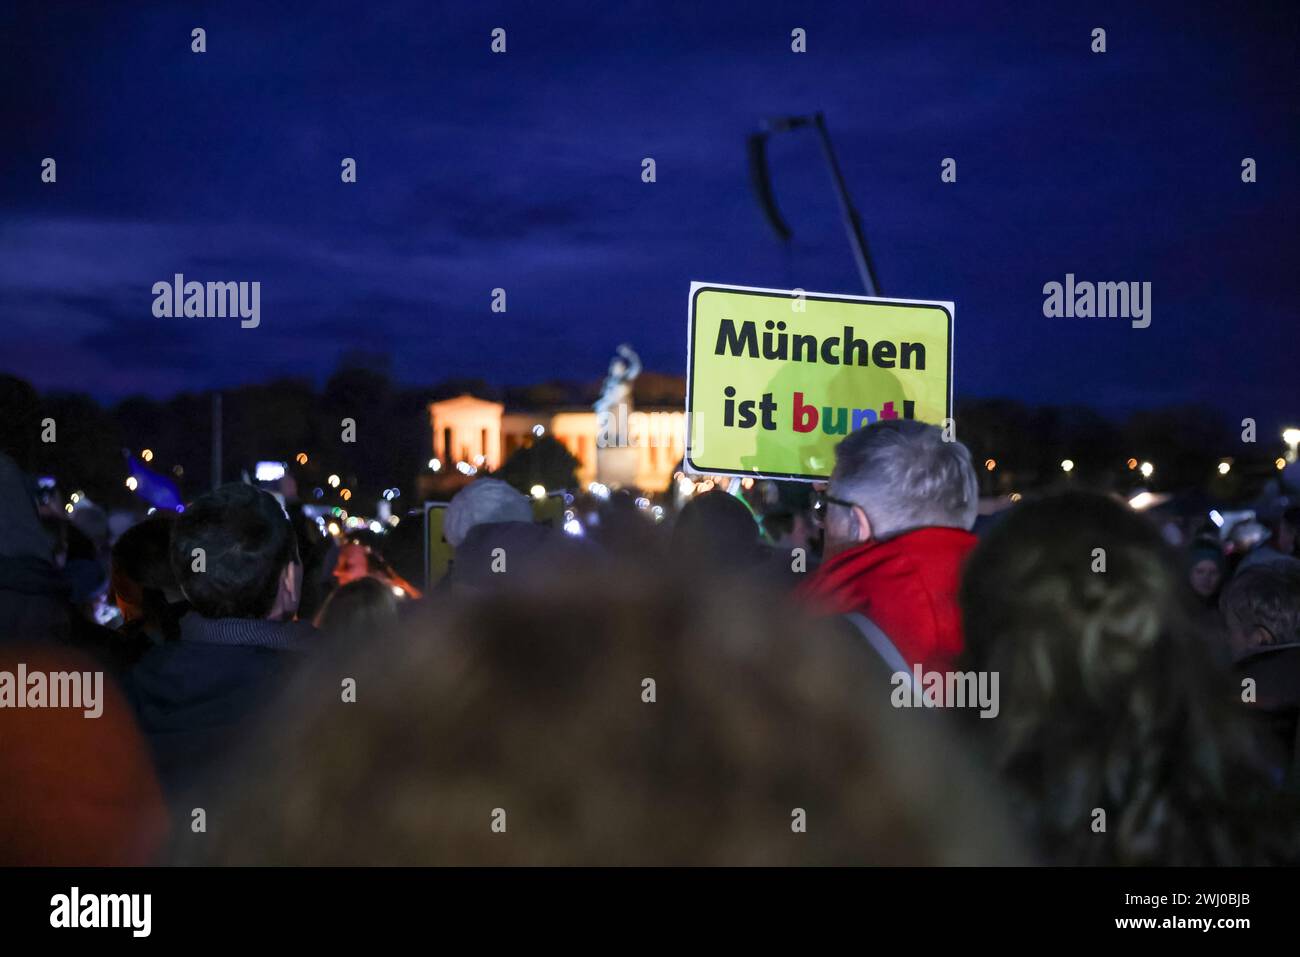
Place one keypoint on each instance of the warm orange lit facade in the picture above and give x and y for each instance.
(641, 448)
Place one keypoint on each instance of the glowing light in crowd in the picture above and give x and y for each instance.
(178, 470)
(1216, 517)
(131, 483)
(75, 498)
(1225, 467)
(1280, 463)
(598, 490)
(1067, 465)
(334, 528)
(333, 481)
(146, 455)
(301, 458)
(398, 592)
(434, 465)
(1146, 468)
(644, 502)
(394, 521)
(480, 459)
(573, 527)
(376, 527)
(747, 483)
(539, 430)
(345, 494)
(990, 464)
(658, 513)
(1142, 501)
(464, 468)
(68, 508)
(1015, 496)
(269, 471)
(1132, 464)
(538, 492)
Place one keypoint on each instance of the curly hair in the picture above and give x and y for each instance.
(1109, 698)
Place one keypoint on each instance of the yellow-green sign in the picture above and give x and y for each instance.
(779, 376)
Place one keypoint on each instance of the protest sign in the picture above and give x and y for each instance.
(777, 377)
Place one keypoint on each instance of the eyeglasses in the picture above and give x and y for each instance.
(822, 500)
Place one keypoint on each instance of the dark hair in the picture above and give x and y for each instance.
(141, 573)
(1264, 596)
(358, 610)
(715, 526)
(1108, 698)
(535, 704)
(247, 542)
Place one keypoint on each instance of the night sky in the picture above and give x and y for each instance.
(523, 171)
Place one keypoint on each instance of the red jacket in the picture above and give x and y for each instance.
(906, 585)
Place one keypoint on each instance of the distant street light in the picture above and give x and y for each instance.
(1067, 465)
(1225, 467)
(1291, 437)
(1146, 468)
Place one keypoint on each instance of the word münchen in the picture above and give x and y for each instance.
(847, 349)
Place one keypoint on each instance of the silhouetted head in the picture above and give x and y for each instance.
(235, 555)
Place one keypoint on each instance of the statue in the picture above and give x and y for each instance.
(617, 388)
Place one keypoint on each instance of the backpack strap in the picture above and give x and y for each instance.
(880, 643)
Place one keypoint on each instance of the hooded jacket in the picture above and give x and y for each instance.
(907, 585)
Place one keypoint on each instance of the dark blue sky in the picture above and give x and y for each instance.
(523, 171)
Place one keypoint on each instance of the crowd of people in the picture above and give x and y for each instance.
(720, 688)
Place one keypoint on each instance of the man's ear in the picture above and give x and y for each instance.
(861, 524)
(289, 593)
